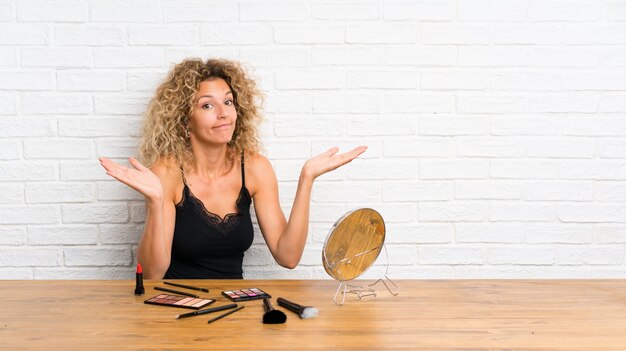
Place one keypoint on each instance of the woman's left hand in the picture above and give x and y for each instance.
(329, 160)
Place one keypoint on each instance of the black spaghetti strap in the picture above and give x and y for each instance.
(243, 173)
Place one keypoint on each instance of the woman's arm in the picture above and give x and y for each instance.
(286, 239)
(157, 185)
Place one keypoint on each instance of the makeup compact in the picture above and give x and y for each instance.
(245, 294)
(179, 301)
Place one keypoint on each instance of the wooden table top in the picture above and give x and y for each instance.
(427, 314)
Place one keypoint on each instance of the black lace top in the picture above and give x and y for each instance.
(206, 246)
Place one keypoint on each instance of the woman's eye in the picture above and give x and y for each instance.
(229, 102)
(207, 106)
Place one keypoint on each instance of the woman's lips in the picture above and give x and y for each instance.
(222, 126)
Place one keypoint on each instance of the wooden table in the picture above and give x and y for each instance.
(427, 314)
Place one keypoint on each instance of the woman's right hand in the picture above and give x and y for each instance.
(139, 178)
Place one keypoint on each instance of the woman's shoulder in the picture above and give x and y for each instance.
(259, 172)
(169, 172)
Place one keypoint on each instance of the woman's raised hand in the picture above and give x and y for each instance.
(139, 177)
(329, 160)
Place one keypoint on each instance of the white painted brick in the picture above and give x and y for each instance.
(423, 102)
(591, 212)
(490, 232)
(116, 191)
(277, 57)
(12, 235)
(378, 169)
(500, 104)
(341, 191)
(96, 213)
(610, 233)
(120, 233)
(563, 57)
(8, 57)
(590, 255)
(90, 170)
(377, 125)
(613, 103)
(27, 34)
(530, 81)
(427, 233)
(237, 34)
(93, 127)
(199, 11)
(41, 193)
(414, 55)
(457, 255)
(538, 34)
(287, 149)
(346, 10)
(346, 103)
(84, 273)
(523, 169)
(401, 254)
(131, 57)
(453, 169)
(16, 273)
(595, 80)
(120, 104)
(487, 190)
(351, 55)
(309, 34)
(27, 127)
(488, 10)
(124, 11)
(87, 80)
(594, 126)
(385, 33)
(453, 125)
(308, 127)
(102, 256)
(417, 191)
(609, 191)
(520, 255)
(162, 35)
(613, 57)
(63, 235)
(587, 34)
(452, 211)
(174, 55)
(327, 212)
(612, 149)
(592, 169)
(453, 80)
(558, 190)
(10, 149)
(57, 103)
(510, 211)
(449, 33)
(561, 148)
(143, 81)
(489, 147)
(52, 11)
(563, 103)
(499, 56)
(519, 125)
(29, 257)
(419, 147)
(419, 10)
(58, 148)
(382, 79)
(27, 80)
(564, 10)
(423, 272)
(28, 170)
(82, 35)
(117, 148)
(274, 10)
(33, 214)
(397, 212)
(615, 10)
(563, 233)
(7, 105)
(309, 78)
(289, 102)
(12, 194)
(137, 212)
(7, 12)
(56, 57)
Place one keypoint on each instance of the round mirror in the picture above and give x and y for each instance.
(353, 244)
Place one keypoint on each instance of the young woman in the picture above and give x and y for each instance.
(201, 148)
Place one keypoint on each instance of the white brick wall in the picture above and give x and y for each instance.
(496, 128)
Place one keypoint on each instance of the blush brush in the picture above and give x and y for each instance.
(271, 315)
(304, 312)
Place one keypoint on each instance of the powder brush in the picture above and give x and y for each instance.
(304, 312)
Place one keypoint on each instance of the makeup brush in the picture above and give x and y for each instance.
(271, 315)
(304, 312)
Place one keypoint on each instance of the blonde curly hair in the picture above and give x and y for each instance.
(166, 119)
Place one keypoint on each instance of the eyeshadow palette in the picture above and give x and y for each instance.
(245, 294)
(179, 301)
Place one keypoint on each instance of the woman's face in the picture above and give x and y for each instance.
(214, 115)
